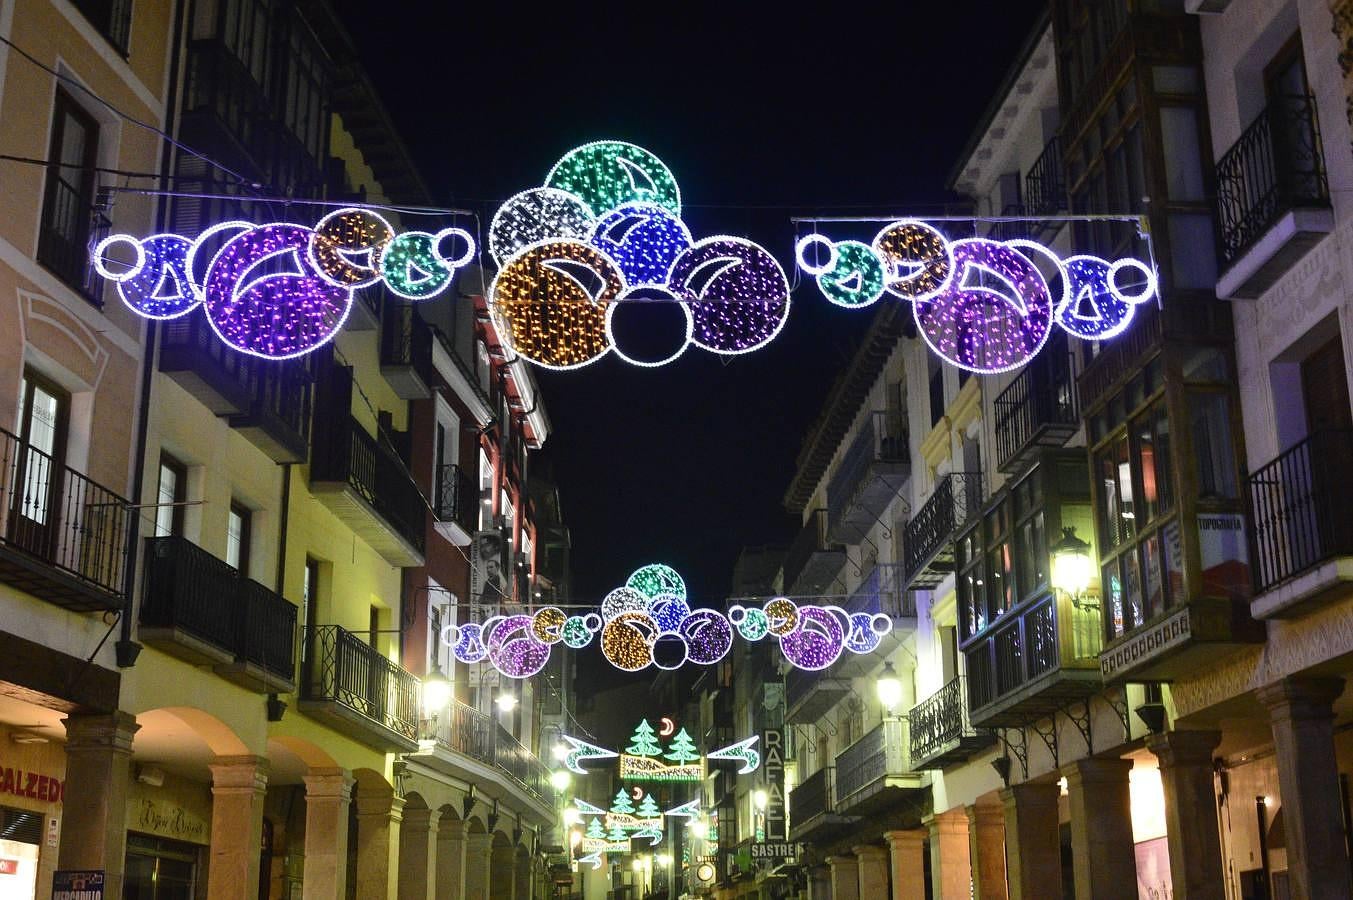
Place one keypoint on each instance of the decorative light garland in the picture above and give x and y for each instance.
(280, 290)
(555, 306)
(984, 305)
(648, 622)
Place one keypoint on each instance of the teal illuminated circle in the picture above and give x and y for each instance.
(655, 579)
(608, 174)
(576, 633)
(754, 625)
(856, 277)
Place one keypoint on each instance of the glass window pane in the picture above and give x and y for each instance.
(1113, 600)
(164, 500)
(1213, 450)
(1147, 466)
(1132, 589)
(1184, 175)
(1154, 600)
(234, 538)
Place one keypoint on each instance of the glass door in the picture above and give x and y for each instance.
(35, 506)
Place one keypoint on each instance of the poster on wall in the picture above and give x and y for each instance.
(77, 884)
(1153, 870)
(1224, 555)
(488, 567)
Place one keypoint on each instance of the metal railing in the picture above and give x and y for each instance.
(71, 226)
(342, 668)
(883, 590)
(1016, 653)
(1042, 394)
(112, 18)
(62, 517)
(457, 496)
(815, 796)
(1274, 167)
(1044, 185)
(469, 732)
(939, 720)
(882, 439)
(282, 391)
(406, 340)
(266, 631)
(377, 474)
(812, 538)
(957, 496)
(880, 753)
(1299, 506)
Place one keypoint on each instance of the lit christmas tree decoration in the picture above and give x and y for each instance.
(644, 741)
(347, 247)
(682, 749)
(609, 174)
(536, 215)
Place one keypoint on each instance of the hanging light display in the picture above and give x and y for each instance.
(606, 229)
(984, 305)
(282, 289)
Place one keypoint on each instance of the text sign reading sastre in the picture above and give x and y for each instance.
(776, 850)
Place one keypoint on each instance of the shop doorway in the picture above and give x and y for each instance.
(158, 869)
(20, 836)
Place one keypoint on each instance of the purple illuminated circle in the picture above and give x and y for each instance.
(644, 239)
(708, 635)
(277, 315)
(738, 294)
(514, 651)
(996, 324)
(817, 642)
(161, 287)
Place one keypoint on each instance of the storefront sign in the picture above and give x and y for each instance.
(775, 850)
(773, 745)
(77, 885)
(167, 819)
(1173, 632)
(30, 785)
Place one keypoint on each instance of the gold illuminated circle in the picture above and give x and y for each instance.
(783, 615)
(918, 261)
(346, 245)
(548, 625)
(627, 641)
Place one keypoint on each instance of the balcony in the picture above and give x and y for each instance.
(813, 560)
(873, 772)
(466, 731)
(930, 534)
(200, 362)
(365, 484)
(1302, 538)
(808, 695)
(63, 536)
(1273, 200)
(351, 686)
(880, 591)
(1033, 662)
(71, 224)
(1037, 410)
(200, 609)
(456, 504)
(871, 473)
(1044, 186)
(406, 352)
(276, 419)
(812, 808)
(940, 731)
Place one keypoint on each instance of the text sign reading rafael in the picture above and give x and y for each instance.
(74, 884)
(773, 745)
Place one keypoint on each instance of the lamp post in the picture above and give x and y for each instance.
(436, 694)
(1072, 567)
(889, 688)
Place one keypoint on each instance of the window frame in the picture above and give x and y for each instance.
(246, 517)
(180, 493)
(64, 108)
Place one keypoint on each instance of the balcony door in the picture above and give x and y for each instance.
(1296, 155)
(44, 410)
(1324, 388)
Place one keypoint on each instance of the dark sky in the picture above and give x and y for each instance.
(761, 114)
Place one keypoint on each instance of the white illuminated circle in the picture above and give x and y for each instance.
(100, 257)
(535, 215)
(804, 244)
(644, 363)
(1150, 283)
(460, 234)
(202, 240)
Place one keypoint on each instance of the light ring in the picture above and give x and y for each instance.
(199, 242)
(132, 271)
(1024, 244)
(901, 286)
(647, 364)
(592, 622)
(685, 651)
(1152, 280)
(464, 236)
(804, 243)
(736, 613)
(880, 624)
(354, 282)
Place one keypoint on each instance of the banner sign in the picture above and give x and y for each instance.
(773, 746)
(73, 884)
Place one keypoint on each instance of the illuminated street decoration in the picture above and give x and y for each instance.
(741, 751)
(648, 622)
(984, 305)
(281, 289)
(607, 230)
(582, 750)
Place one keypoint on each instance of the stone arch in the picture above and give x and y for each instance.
(414, 800)
(502, 867)
(475, 825)
(219, 737)
(309, 753)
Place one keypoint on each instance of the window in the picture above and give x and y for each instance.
(43, 417)
(309, 602)
(1213, 448)
(68, 204)
(113, 19)
(936, 389)
(237, 537)
(482, 366)
(170, 496)
(485, 490)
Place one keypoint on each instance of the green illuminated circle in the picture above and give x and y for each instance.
(576, 633)
(755, 625)
(857, 277)
(609, 174)
(656, 579)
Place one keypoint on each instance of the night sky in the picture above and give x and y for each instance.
(761, 116)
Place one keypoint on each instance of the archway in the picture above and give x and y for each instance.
(502, 868)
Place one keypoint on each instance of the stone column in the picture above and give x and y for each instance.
(418, 854)
(819, 883)
(502, 872)
(986, 850)
(379, 813)
(327, 797)
(1033, 841)
(451, 860)
(872, 870)
(523, 877)
(845, 878)
(1101, 829)
(1190, 812)
(1302, 715)
(94, 817)
(238, 785)
(950, 869)
(477, 865)
(907, 849)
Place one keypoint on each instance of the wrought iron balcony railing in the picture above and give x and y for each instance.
(457, 496)
(64, 534)
(1044, 185)
(376, 474)
(406, 351)
(1276, 166)
(512, 757)
(814, 796)
(812, 557)
(874, 466)
(469, 732)
(1299, 506)
(343, 669)
(883, 590)
(1039, 407)
(930, 533)
(71, 225)
(875, 756)
(938, 727)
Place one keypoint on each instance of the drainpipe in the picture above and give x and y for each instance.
(125, 649)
